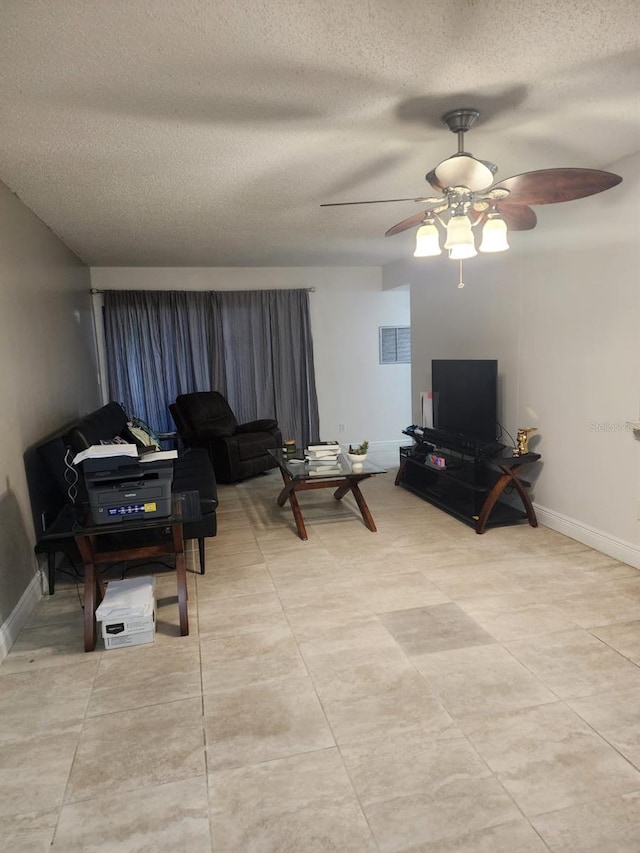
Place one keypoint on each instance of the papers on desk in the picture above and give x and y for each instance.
(103, 451)
(159, 455)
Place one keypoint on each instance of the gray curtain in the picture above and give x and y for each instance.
(254, 346)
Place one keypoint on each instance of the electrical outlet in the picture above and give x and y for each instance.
(340, 427)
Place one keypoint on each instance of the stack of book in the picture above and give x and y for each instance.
(322, 457)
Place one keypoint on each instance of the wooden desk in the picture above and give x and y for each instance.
(140, 539)
(95, 553)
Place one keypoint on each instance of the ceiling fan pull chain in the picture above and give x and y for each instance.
(461, 282)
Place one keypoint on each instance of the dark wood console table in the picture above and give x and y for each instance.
(469, 488)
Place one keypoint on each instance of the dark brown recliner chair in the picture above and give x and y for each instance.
(237, 451)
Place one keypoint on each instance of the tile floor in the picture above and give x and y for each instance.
(419, 689)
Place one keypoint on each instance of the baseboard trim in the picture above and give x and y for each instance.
(619, 549)
(18, 617)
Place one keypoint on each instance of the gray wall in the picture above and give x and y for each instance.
(561, 313)
(47, 374)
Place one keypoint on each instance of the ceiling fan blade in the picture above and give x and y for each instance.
(411, 222)
(519, 217)
(421, 199)
(549, 186)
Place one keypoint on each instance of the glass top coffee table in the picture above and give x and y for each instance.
(301, 476)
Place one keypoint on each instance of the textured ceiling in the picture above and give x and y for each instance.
(208, 132)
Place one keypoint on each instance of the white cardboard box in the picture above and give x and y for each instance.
(134, 625)
(128, 612)
(121, 640)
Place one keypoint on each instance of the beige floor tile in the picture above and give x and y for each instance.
(28, 833)
(422, 630)
(223, 563)
(371, 699)
(416, 792)
(303, 803)
(31, 704)
(548, 758)
(479, 580)
(481, 680)
(34, 772)
(313, 612)
(137, 676)
(61, 608)
(261, 722)
(229, 542)
(615, 716)
(575, 664)
(241, 614)
(600, 604)
(163, 819)
(515, 615)
(397, 591)
(145, 746)
(369, 563)
(238, 580)
(623, 637)
(247, 659)
(349, 646)
(608, 826)
(51, 645)
(512, 837)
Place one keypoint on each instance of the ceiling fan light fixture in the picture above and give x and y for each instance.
(463, 170)
(427, 240)
(459, 231)
(494, 234)
(462, 252)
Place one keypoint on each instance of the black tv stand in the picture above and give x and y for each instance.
(470, 484)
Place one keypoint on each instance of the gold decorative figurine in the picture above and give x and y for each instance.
(522, 440)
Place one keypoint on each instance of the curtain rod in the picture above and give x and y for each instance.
(95, 290)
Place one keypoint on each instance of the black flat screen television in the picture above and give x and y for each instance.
(465, 397)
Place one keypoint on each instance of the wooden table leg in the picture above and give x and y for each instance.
(86, 546)
(181, 577)
(289, 494)
(526, 500)
(51, 571)
(364, 509)
(508, 476)
(90, 604)
(297, 515)
(400, 473)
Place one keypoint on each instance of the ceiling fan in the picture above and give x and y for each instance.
(469, 199)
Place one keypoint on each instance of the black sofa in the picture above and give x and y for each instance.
(237, 451)
(51, 479)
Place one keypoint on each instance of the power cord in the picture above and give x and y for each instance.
(505, 430)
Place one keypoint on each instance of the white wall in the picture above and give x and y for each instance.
(561, 313)
(348, 305)
(47, 378)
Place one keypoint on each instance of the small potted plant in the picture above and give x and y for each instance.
(357, 455)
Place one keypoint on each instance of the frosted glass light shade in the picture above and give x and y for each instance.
(459, 232)
(494, 235)
(462, 251)
(463, 170)
(427, 241)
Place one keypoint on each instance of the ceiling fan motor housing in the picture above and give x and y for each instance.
(462, 119)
